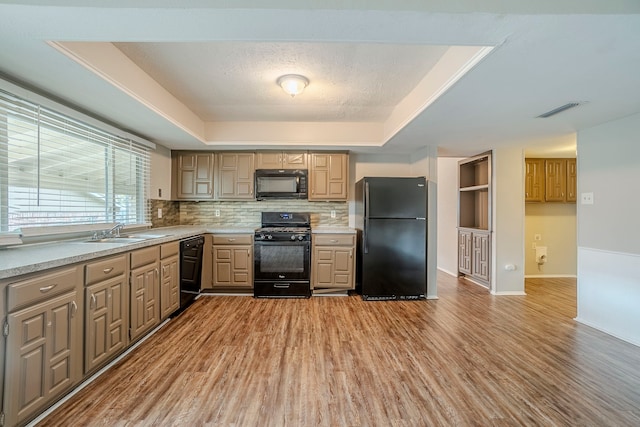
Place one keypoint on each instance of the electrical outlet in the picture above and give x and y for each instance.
(533, 246)
(159, 213)
(333, 214)
(586, 198)
(217, 212)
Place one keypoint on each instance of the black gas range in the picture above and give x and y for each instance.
(282, 256)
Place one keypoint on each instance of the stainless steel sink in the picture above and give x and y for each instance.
(127, 238)
(122, 239)
(144, 236)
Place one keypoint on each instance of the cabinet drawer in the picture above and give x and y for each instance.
(232, 239)
(169, 249)
(334, 239)
(144, 256)
(30, 291)
(105, 269)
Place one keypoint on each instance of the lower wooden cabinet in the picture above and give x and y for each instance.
(144, 291)
(105, 322)
(333, 262)
(43, 342)
(474, 255)
(106, 310)
(170, 279)
(464, 251)
(232, 261)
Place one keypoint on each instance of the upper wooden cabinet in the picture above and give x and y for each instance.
(235, 176)
(550, 180)
(281, 160)
(555, 175)
(193, 175)
(572, 180)
(534, 180)
(328, 176)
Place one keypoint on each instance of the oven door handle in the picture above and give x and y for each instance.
(282, 285)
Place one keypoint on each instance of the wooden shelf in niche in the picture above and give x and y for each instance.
(474, 209)
(474, 173)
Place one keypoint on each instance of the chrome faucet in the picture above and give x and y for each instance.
(115, 229)
(112, 232)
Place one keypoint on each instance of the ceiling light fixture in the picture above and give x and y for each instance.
(293, 84)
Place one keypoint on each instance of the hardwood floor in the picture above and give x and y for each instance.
(467, 359)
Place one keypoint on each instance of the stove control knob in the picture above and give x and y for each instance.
(301, 237)
(269, 236)
(293, 237)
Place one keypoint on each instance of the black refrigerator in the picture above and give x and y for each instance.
(391, 218)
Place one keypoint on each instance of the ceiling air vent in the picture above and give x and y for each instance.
(559, 109)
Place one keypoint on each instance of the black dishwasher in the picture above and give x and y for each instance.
(190, 269)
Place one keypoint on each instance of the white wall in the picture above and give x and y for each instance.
(608, 231)
(448, 214)
(161, 173)
(508, 221)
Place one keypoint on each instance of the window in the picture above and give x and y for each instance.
(56, 170)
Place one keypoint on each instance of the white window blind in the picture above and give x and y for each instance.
(56, 170)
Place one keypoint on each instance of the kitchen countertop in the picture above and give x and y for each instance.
(23, 259)
(333, 230)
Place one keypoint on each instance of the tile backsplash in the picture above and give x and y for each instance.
(247, 213)
(170, 213)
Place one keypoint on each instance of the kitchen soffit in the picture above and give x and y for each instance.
(225, 93)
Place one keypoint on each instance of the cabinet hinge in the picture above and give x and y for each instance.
(5, 331)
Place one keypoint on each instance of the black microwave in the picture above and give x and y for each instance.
(281, 184)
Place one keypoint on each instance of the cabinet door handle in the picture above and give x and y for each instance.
(157, 272)
(107, 270)
(164, 269)
(350, 254)
(46, 289)
(74, 309)
(92, 303)
(333, 241)
(232, 240)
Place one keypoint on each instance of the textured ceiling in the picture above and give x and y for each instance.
(200, 74)
(236, 81)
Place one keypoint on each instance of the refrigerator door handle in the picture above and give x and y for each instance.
(421, 219)
(366, 217)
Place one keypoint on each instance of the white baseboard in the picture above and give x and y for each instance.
(550, 276)
(508, 293)
(608, 332)
(448, 272)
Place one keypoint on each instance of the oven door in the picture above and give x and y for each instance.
(282, 261)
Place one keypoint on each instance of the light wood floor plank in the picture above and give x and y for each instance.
(467, 359)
